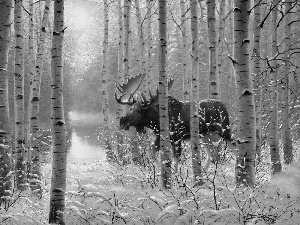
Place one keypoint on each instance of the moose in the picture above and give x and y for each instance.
(213, 117)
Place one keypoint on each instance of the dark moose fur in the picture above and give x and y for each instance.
(213, 117)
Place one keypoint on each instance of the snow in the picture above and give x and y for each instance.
(99, 192)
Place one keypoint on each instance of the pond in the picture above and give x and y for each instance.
(85, 144)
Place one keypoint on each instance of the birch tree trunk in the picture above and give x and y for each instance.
(104, 68)
(6, 181)
(214, 80)
(166, 156)
(20, 152)
(286, 124)
(127, 40)
(34, 99)
(184, 53)
(274, 145)
(245, 161)
(119, 110)
(195, 142)
(213, 138)
(221, 40)
(149, 43)
(58, 127)
(136, 156)
(256, 75)
(142, 59)
(231, 75)
(31, 52)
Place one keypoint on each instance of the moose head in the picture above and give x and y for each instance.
(143, 112)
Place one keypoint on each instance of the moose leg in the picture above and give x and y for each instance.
(154, 149)
(177, 149)
(208, 153)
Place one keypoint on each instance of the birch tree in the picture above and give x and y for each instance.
(273, 140)
(221, 38)
(142, 61)
(166, 156)
(127, 40)
(6, 12)
(34, 98)
(31, 64)
(184, 52)
(214, 80)
(136, 156)
(256, 74)
(149, 42)
(195, 142)
(119, 110)
(20, 166)
(245, 161)
(58, 128)
(286, 123)
(104, 68)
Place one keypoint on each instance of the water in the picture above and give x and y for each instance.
(84, 150)
(85, 145)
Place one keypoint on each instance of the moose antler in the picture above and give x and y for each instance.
(128, 90)
(153, 99)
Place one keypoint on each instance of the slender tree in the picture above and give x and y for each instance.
(245, 161)
(286, 123)
(58, 128)
(119, 110)
(31, 52)
(127, 40)
(221, 38)
(184, 52)
(6, 184)
(166, 156)
(20, 166)
(195, 142)
(149, 42)
(256, 74)
(274, 145)
(34, 98)
(231, 75)
(142, 59)
(214, 80)
(104, 68)
(136, 156)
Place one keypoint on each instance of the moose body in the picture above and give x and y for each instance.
(213, 117)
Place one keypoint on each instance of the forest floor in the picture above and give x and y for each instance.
(99, 192)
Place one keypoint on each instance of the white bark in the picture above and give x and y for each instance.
(184, 53)
(127, 40)
(274, 145)
(35, 82)
(20, 166)
(104, 85)
(256, 74)
(58, 128)
(245, 161)
(286, 123)
(195, 142)
(142, 59)
(214, 80)
(166, 155)
(120, 54)
(6, 181)
(149, 44)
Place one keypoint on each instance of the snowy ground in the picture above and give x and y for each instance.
(102, 193)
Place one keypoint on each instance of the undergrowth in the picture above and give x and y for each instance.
(128, 192)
